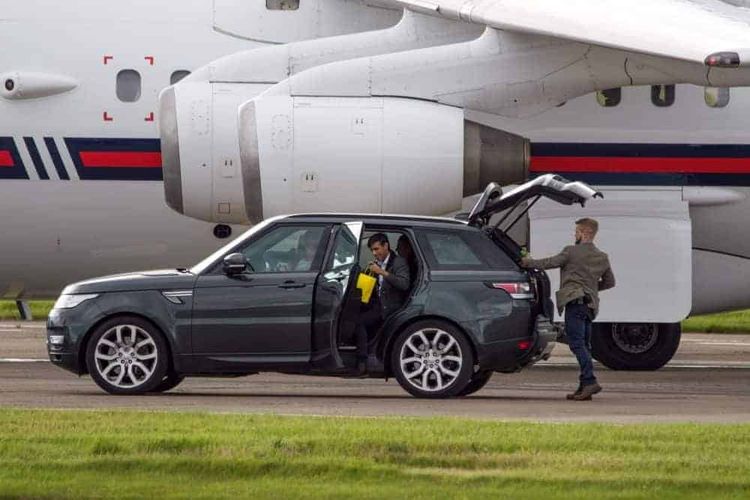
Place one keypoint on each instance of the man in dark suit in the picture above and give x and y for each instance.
(392, 273)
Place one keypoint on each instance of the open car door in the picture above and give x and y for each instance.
(551, 186)
(336, 281)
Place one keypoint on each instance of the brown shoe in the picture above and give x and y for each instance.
(572, 395)
(587, 391)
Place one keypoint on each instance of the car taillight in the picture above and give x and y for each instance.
(515, 290)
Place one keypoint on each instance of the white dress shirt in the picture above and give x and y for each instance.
(380, 276)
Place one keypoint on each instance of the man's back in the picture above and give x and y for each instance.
(584, 271)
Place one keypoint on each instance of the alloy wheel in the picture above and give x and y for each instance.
(126, 356)
(431, 359)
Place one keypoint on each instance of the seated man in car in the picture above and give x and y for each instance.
(307, 247)
(392, 273)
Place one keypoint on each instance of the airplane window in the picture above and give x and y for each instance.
(178, 75)
(282, 4)
(716, 97)
(609, 97)
(128, 85)
(662, 95)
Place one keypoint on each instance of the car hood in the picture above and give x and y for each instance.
(161, 279)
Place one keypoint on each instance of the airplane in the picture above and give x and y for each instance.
(80, 168)
(298, 105)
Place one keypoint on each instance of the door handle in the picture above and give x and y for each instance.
(292, 284)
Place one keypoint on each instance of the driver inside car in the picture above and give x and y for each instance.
(307, 247)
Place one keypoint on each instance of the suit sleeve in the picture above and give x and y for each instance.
(553, 262)
(607, 280)
(398, 276)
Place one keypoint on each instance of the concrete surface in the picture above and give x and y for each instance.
(708, 381)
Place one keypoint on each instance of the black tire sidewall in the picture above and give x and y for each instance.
(169, 382)
(605, 350)
(162, 361)
(467, 363)
(477, 382)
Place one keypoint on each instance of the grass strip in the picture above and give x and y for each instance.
(39, 309)
(728, 322)
(97, 454)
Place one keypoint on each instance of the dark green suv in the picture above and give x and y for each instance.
(283, 297)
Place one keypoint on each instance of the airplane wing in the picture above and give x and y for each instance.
(710, 32)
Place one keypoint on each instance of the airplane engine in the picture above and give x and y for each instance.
(200, 149)
(388, 155)
(198, 116)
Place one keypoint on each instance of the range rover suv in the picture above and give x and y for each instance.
(283, 297)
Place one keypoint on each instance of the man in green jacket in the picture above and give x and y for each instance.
(584, 272)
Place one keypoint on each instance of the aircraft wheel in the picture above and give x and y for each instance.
(635, 346)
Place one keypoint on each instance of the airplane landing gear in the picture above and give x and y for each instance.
(24, 310)
(635, 346)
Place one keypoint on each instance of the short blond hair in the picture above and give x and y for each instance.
(588, 225)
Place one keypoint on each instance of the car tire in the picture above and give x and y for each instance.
(432, 359)
(170, 381)
(127, 355)
(478, 380)
(635, 346)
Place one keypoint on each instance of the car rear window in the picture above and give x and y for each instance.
(454, 250)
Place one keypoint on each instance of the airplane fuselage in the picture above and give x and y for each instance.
(80, 171)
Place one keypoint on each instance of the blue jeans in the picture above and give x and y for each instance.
(578, 331)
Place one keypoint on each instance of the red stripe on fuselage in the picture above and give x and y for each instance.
(6, 160)
(121, 159)
(652, 165)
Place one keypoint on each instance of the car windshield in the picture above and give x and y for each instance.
(211, 259)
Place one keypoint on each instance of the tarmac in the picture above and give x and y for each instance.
(707, 381)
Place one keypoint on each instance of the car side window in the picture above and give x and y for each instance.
(450, 250)
(287, 249)
(343, 257)
(345, 251)
(462, 250)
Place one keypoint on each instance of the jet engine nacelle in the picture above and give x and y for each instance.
(378, 155)
(200, 149)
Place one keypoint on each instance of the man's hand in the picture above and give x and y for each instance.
(376, 269)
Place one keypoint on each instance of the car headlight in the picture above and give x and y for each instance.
(71, 301)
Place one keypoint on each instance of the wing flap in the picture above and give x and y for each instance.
(690, 30)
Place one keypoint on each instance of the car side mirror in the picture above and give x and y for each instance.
(235, 263)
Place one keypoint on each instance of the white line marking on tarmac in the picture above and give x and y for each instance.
(23, 360)
(708, 342)
(702, 365)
